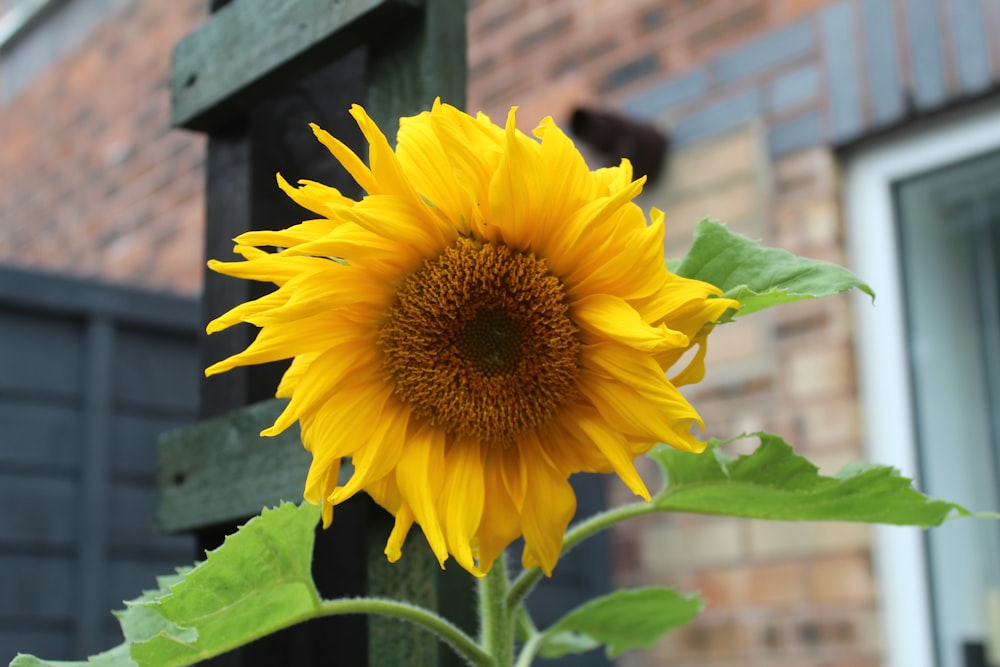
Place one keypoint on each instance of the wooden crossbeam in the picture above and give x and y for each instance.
(220, 470)
(248, 50)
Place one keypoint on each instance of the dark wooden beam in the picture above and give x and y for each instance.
(220, 470)
(417, 62)
(248, 50)
(94, 486)
(64, 295)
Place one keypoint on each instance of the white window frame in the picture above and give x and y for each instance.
(18, 16)
(881, 341)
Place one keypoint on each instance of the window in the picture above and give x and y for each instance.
(923, 216)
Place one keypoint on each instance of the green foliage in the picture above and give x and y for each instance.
(759, 277)
(259, 581)
(775, 483)
(623, 620)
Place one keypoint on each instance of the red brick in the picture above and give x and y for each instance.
(841, 580)
(85, 159)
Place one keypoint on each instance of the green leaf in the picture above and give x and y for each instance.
(138, 624)
(775, 483)
(259, 581)
(760, 277)
(623, 620)
(230, 599)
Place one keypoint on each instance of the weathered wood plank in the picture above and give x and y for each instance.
(65, 296)
(227, 209)
(420, 61)
(414, 579)
(221, 470)
(248, 50)
(242, 194)
(95, 478)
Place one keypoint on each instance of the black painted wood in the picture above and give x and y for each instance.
(83, 397)
(267, 44)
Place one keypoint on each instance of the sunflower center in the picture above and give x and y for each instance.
(479, 342)
(491, 341)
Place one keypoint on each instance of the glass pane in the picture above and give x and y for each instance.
(949, 221)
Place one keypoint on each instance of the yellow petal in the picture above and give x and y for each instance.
(385, 492)
(631, 264)
(397, 219)
(351, 240)
(615, 448)
(325, 292)
(320, 381)
(628, 411)
(588, 227)
(345, 421)
(265, 267)
(351, 162)
(695, 369)
(605, 317)
(241, 312)
(380, 454)
(316, 197)
(388, 174)
(319, 479)
(630, 367)
(501, 521)
(570, 447)
(686, 304)
(420, 477)
(515, 477)
(548, 509)
(275, 343)
(290, 379)
(462, 499)
(400, 529)
(310, 230)
(430, 167)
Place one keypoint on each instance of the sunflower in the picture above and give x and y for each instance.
(489, 319)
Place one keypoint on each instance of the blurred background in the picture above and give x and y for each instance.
(863, 132)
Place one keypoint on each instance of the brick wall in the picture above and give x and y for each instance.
(755, 96)
(818, 72)
(778, 593)
(547, 56)
(92, 180)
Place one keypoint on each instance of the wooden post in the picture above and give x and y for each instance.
(251, 77)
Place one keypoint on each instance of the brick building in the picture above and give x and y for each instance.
(864, 132)
(94, 182)
(810, 124)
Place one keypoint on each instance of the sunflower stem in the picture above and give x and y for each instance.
(529, 650)
(460, 642)
(526, 581)
(497, 623)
